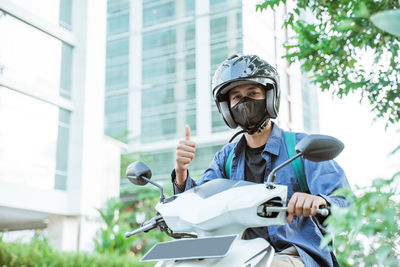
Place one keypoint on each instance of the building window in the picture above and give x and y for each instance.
(155, 12)
(117, 69)
(116, 116)
(117, 17)
(34, 59)
(117, 64)
(159, 11)
(66, 14)
(66, 71)
(118, 24)
(28, 140)
(62, 150)
(169, 68)
(226, 39)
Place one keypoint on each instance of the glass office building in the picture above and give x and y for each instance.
(161, 55)
(117, 67)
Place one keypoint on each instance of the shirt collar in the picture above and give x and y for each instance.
(273, 144)
(274, 141)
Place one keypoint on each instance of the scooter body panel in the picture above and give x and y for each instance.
(234, 208)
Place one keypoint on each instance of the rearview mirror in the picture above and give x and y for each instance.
(136, 170)
(314, 147)
(317, 147)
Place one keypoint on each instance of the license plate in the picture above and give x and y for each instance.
(194, 248)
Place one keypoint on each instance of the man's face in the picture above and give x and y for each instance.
(253, 91)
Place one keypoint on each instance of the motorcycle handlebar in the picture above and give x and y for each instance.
(146, 226)
(141, 229)
(322, 211)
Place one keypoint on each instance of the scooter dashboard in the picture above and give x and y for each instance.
(217, 186)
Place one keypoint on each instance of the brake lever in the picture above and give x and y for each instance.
(164, 228)
(153, 220)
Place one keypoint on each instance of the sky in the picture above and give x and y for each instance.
(367, 145)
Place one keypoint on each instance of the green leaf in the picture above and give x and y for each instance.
(382, 253)
(345, 25)
(343, 192)
(395, 150)
(378, 183)
(388, 21)
(362, 11)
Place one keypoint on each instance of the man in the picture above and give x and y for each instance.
(246, 91)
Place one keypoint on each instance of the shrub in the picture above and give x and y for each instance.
(110, 238)
(367, 233)
(39, 253)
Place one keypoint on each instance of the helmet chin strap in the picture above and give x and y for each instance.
(252, 130)
(257, 129)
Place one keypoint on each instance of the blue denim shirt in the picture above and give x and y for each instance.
(322, 177)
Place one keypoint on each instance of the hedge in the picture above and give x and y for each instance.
(42, 255)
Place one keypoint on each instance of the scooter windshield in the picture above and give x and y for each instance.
(216, 186)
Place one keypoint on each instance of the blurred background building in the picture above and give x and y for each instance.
(56, 165)
(161, 56)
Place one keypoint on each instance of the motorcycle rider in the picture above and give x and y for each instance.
(246, 90)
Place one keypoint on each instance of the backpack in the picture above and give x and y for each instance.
(297, 165)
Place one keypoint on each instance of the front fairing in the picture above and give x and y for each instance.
(221, 207)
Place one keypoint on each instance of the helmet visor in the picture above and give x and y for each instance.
(229, 85)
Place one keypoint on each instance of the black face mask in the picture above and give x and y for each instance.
(250, 113)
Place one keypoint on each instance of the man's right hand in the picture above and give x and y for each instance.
(185, 151)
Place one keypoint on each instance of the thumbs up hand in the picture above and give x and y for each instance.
(185, 151)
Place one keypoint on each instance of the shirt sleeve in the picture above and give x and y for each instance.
(324, 178)
(189, 183)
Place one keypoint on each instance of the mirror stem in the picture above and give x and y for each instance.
(272, 176)
(162, 197)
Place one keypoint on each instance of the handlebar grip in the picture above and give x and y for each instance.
(323, 211)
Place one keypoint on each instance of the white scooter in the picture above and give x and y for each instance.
(219, 212)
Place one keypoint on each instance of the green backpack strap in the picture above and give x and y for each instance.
(290, 139)
(228, 163)
(297, 165)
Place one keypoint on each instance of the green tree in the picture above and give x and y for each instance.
(120, 217)
(334, 42)
(367, 233)
(110, 238)
(331, 44)
(138, 210)
(137, 205)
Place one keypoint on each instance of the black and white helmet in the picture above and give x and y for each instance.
(238, 70)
